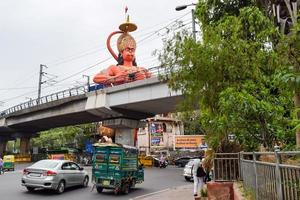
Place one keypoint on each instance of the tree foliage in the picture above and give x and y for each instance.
(70, 136)
(233, 75)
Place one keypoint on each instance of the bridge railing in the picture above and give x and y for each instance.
(154, 71)
(270, 175)
(46, 99)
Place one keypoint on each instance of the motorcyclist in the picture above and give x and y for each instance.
(162, 161)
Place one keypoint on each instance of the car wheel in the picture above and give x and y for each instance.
(99, 189)
(61, 187)
(30, 189)
(85, 181)
(187, 178)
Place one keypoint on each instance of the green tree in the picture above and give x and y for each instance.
(70, 136)
(232, 75)
(191, 122)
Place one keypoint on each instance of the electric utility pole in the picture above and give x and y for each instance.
(88, 80)
(40, 80)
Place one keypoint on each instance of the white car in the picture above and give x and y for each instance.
(54, 174)
(187, 171)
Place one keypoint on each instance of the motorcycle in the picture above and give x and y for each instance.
(163, 164)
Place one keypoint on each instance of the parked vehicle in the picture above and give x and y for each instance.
(182, 161)
(54, 174)
(187, 171)
(116, 167)
(8, 163)
(63, 154)
(155, 161)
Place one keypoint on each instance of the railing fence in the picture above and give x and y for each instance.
(268, 177)
(226, 167)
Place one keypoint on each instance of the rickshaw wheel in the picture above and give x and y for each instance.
(116, 191)
(99, 189)
(125, 188)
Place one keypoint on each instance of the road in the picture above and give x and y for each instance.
(156, 179)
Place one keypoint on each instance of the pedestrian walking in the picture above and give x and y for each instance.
(207, 164)
(203, 146)
(1, 166)
(198, 176)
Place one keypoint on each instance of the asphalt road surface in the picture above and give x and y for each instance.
(156, 180)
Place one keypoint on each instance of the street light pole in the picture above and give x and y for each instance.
(88, 80)
(40, 81)
(178, 8)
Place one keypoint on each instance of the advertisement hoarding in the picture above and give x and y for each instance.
(188, 141)
(156, 133)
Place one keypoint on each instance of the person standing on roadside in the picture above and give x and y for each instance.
(198, 178)
(203, 146)
(1, 166)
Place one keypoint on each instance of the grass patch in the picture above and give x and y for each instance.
(247, 193)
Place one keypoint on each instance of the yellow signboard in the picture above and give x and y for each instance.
(188, 141)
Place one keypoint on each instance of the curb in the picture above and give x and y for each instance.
(184, 192)
(150, 194)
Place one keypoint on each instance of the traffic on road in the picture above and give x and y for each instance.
(156, 179)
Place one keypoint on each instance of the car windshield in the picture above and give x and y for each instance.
(190, 163)
(184, 158)
(45, 164)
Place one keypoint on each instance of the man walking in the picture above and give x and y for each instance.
(198, 177)
(203, 146)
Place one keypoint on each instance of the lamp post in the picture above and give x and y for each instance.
(88, 81)
(178, 8)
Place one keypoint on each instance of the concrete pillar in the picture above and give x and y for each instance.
(24, 145)
(125, 136)
(125, 129)
(3, 142)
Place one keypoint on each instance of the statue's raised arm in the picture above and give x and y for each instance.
(126, 69)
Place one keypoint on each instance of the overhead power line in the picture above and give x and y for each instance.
(71, 58)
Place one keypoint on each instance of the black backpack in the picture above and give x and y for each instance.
(200, 172)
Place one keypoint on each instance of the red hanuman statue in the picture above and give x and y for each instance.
(126, 70)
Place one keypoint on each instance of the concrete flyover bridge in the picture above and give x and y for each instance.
(121, 107)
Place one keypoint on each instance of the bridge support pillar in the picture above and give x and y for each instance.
(125, 130)
(3, 143)
(24, 145)
(125, 136)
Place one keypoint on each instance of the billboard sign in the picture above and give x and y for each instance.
(156, 132)
(188, 141)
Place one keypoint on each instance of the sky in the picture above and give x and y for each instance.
(69, 37)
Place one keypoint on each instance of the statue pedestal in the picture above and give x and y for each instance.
(125, 129)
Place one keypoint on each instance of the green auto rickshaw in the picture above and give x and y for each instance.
(116, 167)
(9, 162)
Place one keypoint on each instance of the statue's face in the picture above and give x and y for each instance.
(128, 53)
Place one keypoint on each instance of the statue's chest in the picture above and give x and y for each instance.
(128, 69)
